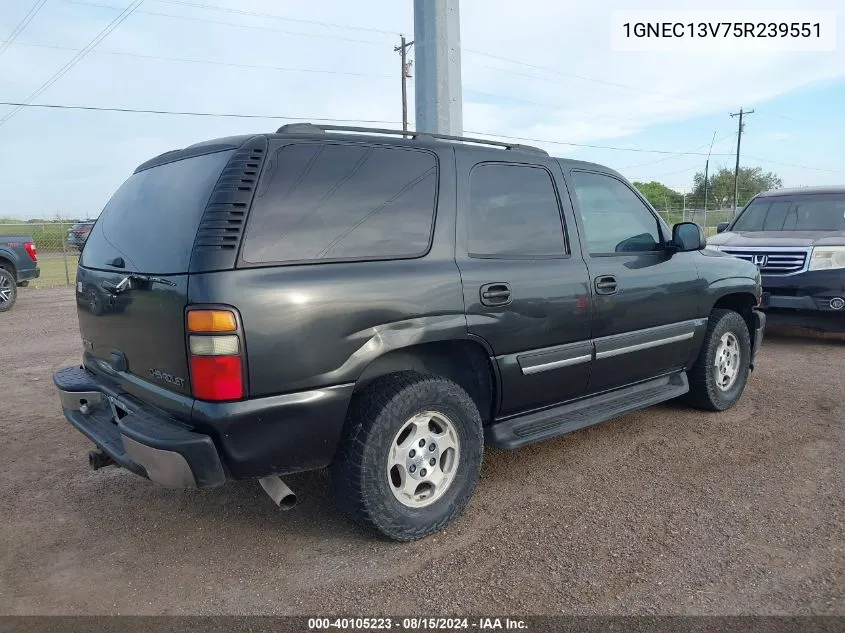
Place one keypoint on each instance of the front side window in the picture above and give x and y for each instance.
(342, 202)
(513, 212)
(615, 219)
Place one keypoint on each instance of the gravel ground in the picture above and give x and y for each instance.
(667, 511)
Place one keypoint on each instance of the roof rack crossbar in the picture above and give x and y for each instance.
(310, 128)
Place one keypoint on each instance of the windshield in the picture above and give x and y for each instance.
(152, 219)
(812, 212)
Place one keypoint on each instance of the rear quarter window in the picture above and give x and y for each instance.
(326, 202)
(152, 219)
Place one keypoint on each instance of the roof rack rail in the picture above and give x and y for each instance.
(310, 128)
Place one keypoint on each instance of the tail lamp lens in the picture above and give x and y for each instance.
(216, 362)
(211, 321)
(31, 250)
(217, 377)
(214, 345)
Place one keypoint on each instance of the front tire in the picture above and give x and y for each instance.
(410, 456)
(720, 373)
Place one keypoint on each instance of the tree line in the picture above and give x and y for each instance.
(720, 189)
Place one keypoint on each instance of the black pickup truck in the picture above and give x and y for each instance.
(387, 303)
(18, 264)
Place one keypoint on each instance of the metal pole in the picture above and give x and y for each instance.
(740, 114)
(707, 178)
(64, 253)
(403, 56)
(437, 53)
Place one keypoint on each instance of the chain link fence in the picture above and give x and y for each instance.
(708, 219)
(57, 250)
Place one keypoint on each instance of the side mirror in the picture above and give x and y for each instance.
(721, 226)
(688, 236)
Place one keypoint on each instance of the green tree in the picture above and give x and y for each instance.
(720, 189)
(659, 195)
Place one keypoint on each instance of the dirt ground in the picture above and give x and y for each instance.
(667, 511)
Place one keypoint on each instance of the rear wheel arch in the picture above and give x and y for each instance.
(463, 361)
(7, 264)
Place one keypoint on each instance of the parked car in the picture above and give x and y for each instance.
(386, 304)
(796, 237)
(77, 235)
(18, 265)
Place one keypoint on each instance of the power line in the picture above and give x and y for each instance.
(672, 173)
(190, 113)
(252, 27)
(56, 106)
(208, 61)
(22, 25)
(774, 162)
(621, 149)
(273, 16)
(76, 58)
(582, 77)
(660, 160)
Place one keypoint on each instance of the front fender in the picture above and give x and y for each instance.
(716, 290)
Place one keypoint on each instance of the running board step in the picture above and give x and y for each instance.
(548, 423)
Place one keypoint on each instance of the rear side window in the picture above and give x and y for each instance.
(152, 219)
(342, 202)
(513, 212)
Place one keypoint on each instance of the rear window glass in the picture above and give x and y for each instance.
(152, 219)
(818, 212)
(342, 202)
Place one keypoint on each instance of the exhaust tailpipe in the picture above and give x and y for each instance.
(281, 495)
(99, 459)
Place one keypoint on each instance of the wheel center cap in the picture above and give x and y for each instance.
(419, 460)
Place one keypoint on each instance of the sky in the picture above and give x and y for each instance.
(539, 69)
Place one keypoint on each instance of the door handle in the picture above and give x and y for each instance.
(495, 294)
(606, 285)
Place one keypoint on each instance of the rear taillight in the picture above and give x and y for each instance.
(31, 250)
(217, 377)
(216, 355)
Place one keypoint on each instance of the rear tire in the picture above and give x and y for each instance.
(8, 290)
(718, 377)
(410, 455)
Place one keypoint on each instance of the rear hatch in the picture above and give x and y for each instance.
(132, 280)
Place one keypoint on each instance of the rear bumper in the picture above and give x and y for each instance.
(146, 443)
(254, 438)
(29, 273)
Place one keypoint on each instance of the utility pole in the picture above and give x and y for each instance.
(707, 177)
(740, 114)
(437, 57)
(402, 49)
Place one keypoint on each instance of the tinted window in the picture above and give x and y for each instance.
(513, 212)
(615, 219)
(151, 221)
(818, 212)
(342, 202)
